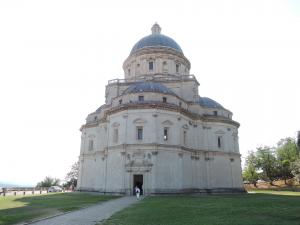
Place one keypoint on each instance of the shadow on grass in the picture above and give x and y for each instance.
(44, 205)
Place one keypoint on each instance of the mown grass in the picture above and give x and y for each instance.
(15, 209)
(268, 208)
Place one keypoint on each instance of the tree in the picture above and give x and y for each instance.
(72, 176)
(250, 172)
(267, 162)
(286, 154)
(282, 162)
(296, 169)
(48, 182)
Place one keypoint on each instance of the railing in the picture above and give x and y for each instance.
(157, 77)
(117, 81)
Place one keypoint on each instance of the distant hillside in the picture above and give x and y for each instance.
(8, 185)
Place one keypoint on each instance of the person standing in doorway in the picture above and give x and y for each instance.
(137, 192)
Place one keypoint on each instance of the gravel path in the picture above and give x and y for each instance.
(90, 215)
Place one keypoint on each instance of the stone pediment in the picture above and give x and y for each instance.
(167, 123)
(185, 126)
(219, 132)
(115, 124)
(139, 121)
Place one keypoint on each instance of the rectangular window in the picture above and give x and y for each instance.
(141, 98)
(215, 113)
(219, 142)
(164, 99)
(139, 131)
(151, 65)
(120, 102)
(165, 134)
(91, 145)
(177, 68)
(184, 137)
(115, 136)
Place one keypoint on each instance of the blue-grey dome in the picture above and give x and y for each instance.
(156, 40)
(148, 87)
(208, 102)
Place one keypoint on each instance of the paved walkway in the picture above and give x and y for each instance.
(90, 215)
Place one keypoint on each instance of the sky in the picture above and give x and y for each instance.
(57, 56)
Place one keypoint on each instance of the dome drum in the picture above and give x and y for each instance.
(164, 61)
(156, 53)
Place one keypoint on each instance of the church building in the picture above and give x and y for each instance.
(156, 131)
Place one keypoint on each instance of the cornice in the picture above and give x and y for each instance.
(157, 147)
(173, 108)
(162, 106)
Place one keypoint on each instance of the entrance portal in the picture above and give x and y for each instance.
(138, 181)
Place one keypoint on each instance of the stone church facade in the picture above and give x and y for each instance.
(155, 131)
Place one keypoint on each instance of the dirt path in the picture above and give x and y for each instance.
(91, 215)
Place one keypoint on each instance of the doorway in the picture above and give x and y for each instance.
(138, 181)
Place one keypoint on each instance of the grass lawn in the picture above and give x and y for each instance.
(15, 209)
(264, 208)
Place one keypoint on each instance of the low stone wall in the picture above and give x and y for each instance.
(24, 192)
